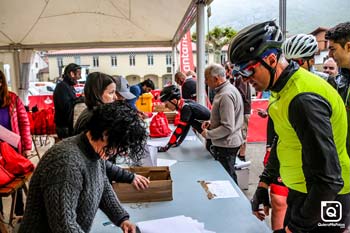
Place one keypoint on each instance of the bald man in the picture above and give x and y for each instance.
(330, 67)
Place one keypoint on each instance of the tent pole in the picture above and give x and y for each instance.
(200, 52)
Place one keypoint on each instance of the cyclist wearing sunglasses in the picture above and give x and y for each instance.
(309, 119)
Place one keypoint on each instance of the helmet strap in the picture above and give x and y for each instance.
(308, 65)
(176, 105)
(271, 70)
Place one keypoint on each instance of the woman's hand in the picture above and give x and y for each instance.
(128, 227)
(140, 182)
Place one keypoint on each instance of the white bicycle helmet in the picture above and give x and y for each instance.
(299, 46)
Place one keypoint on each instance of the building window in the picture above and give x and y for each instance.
(168, 59)
(150, 60)
(206, 58)
(223, 58)
(77, 60)
(132, 59)
(36, 65)
(114, 61)
(95, 61)
(60, 62)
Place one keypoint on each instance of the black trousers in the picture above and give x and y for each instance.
(226, 156)
(296, 200)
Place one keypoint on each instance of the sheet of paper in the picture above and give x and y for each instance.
(157, 143)
(9, 136)
(165, 162)
(175, 224)
(191, 138)
(221, 189)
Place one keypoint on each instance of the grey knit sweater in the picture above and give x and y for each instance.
(67, 187)
(226, 117)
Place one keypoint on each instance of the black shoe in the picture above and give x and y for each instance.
(242, 158)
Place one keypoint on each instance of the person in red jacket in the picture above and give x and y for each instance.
(13, 117)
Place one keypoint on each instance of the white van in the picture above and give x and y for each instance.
(41, 88)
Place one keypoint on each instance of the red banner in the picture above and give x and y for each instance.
(186, 56)
(257, 125)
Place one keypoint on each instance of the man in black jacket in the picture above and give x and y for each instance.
(64, 98)
(339, 50)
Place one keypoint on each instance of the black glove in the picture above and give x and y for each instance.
(279, 231)
(261, 196)
(163, 149)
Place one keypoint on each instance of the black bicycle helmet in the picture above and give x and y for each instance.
(253, 41)
(170, 92)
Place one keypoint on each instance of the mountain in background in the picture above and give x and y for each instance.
(303, 16)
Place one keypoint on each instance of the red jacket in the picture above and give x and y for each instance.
(19, 122)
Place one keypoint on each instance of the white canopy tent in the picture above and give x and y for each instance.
(61, 24)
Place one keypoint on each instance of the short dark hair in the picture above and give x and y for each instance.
(72, 67)
(122, 125)
(95, 85)
(148, 83)
(339, 34)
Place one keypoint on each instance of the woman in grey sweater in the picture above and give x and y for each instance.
(70, 183)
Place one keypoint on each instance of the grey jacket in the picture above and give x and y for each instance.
(226, 118)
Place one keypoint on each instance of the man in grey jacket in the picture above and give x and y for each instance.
(223, 130)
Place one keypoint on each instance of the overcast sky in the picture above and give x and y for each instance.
(303, 16)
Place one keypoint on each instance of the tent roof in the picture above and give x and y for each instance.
(64, 24)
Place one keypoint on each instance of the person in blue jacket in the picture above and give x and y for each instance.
(139, 89)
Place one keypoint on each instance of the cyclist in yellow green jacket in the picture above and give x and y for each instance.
(310, 121)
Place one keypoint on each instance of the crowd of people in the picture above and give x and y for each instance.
(307, 160)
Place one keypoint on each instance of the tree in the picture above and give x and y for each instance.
(216, 39)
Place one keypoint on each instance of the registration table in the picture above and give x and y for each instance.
(194, 163)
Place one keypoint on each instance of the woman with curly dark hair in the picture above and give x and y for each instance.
(70, 183)
(100, 89)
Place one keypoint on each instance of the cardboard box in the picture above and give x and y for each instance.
(160, 188)
(160, 107)
(170, 116)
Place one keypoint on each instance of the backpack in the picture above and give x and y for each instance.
(159, 126)
(14, 162)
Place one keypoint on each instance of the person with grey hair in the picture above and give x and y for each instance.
(223, 130)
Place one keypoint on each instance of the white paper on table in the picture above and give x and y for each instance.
(191, 138)
(221, 189)
(172, 225)
(157, 143)
(9, 136)
(165, 162)
(150, 156)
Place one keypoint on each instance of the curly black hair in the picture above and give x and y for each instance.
(339, 34)
(122, 125)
